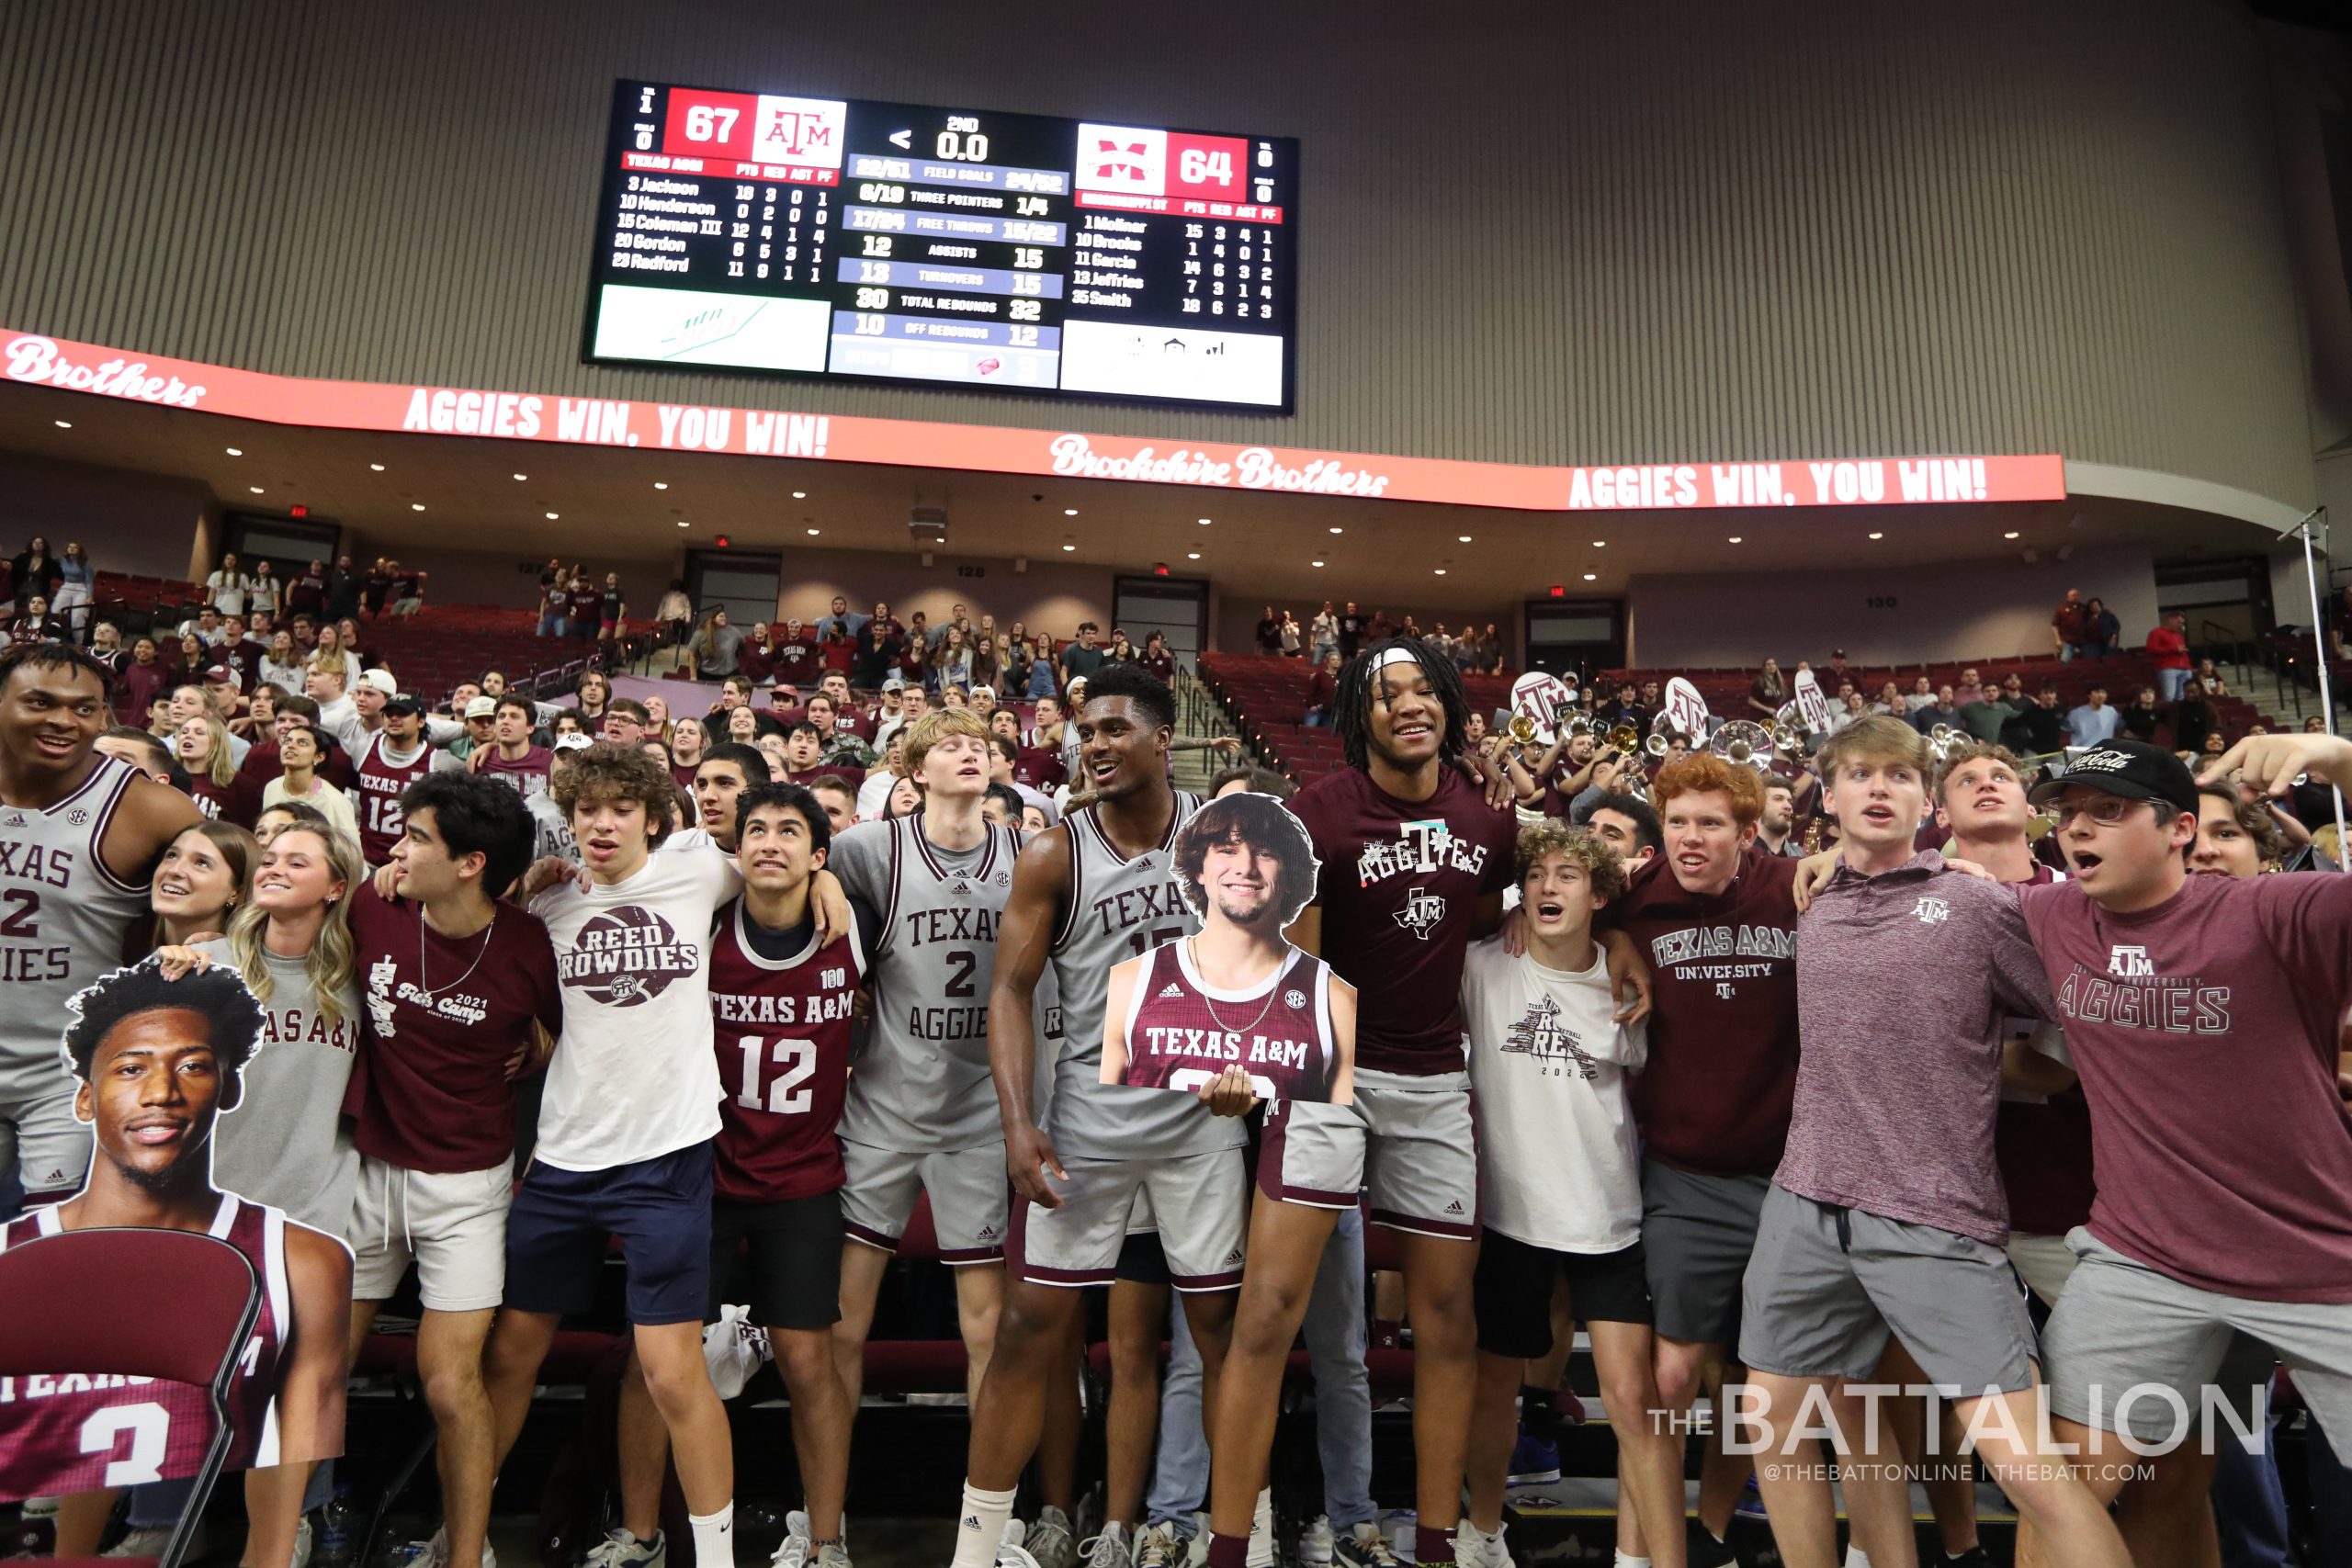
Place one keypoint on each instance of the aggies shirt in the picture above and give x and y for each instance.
(2043, 1147)
(430, 1090)
(780, 1027)
(528, 773)
(1400, 891)
(634, 1075)
(1715, 1098)
(2205, 1030)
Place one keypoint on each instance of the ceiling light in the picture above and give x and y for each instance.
(1192, 555)
(1592, 577)
(234, 451)
(1314, 563)
(1336, 530)
(684, 523)
(799, 495)
(1204, 522)
(1069, 510)
(378, 466)
(1600, 544)
(2010, 534)
(1441, 571)
(1735, 539)
(550, 516)
(1878, 535)
(256, 489)
(1463, 537)
(65, 424)
(659, 485)
(812, 533)
(1069, 547)
(416, 507)
(521, 477)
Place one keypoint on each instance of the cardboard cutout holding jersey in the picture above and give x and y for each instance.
(1236, 1006)
(156, 1062)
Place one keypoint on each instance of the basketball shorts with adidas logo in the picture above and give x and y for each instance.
(1407, 1143)
(1199, 1201)
(970, 1197)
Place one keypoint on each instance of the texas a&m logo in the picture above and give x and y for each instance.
(2129, 964)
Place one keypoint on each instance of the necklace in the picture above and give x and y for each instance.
(424, 992)
(1274, 983)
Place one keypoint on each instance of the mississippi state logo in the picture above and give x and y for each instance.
(625, 957)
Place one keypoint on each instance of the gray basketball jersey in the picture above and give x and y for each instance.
(921, 1082)
(62, 916)
(1120, 908)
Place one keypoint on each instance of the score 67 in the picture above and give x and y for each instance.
(711, 125)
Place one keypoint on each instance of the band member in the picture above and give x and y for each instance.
(154, 1063)
(1285, 1029)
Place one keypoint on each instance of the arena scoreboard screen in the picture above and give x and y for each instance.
(761, 232)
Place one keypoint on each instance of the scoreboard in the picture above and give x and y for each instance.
(767, 232)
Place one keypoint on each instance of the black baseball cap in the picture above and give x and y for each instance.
(2133, 769)
(404, 702)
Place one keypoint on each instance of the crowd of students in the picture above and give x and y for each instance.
(1704, 1127)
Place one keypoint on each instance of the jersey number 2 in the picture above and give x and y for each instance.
(23, 905)
(786, 1095)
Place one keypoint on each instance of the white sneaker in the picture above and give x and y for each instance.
(794, 1550)
(832, 1554)
(1316, 1543)
(436, 1552)
(1107, 1548)
(1050, 1541)
(1155, 1546)
(621, 1550)
(149, 1542)
(1261, 1527)
(1196, 1551)
(1009, 1552)
(302, 1542)
(1473, 1548)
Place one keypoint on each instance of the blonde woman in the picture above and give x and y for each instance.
(329, 655)
(201, 744)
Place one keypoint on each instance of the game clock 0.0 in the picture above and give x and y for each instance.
(790, 235)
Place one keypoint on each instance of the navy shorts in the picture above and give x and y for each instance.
(660, 1209)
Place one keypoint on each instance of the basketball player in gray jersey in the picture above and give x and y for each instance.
(1086, 895)
(919, 1115)
(80, 834)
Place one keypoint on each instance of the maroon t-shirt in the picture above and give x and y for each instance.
(261, 766)
(2206, 1031)
(135, 686)
(529, 773)
(837, 654)
(1399, 892)
(2043, 1147)
(795, 659)
(429, 1089)
(237, 801)
(1716, 1096)
(587, 606)
(1039, 768)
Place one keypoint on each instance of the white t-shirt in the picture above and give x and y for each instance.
(227, 591)
(1558, 1165)
(873, 793)
(635, 1075)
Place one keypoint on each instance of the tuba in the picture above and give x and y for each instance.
(1662, 734)
(1788, 728)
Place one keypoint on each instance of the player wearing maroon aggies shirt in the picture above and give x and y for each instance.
(1414, 867)
(154, 1063)
(780, 1000)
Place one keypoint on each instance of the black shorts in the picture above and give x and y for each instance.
(1513, 1288)
(557, 1235)
(788, 1253)
(1143, 1261)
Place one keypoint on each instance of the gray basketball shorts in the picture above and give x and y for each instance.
(2126, 1341)
(50, 1148)
(1200, 1203)
(1698, 1232)
(1409, 1144)
(1828, 1284)
(971, 1198)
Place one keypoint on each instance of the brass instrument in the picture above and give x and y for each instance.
(1656, 744)
(1624, 738)
(1579, 725)
(1743, 741)
(1522, 729)
(1788, 728)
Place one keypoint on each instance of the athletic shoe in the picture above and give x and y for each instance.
(301, 1558)
(1196, 1549)
(1534, 1461)
(1703, 1550)
(149, 1540)
(1107, 1548)
(832, 1554)
(1051, 1541)
(1010, 1551)
(1365, 1547)
(1316, 1543)
(1157, 1547)
(436, 1552)
(1751, 1501)
(1473, 1548)
(794, 1550)
(621, 1550)
(733, 1348)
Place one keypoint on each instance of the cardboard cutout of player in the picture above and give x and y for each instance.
(1235, 1014)
(156, 1061)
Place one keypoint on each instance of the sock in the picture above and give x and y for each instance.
(1539, 1414)
(1262, 1532)
(714, 1538)
(1432, 1548)
(1229, 1550)
(1857, 1558)
(1627, 1560)
(979, 1525)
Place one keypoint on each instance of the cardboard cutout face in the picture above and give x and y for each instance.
(155, 1056)
(1187, 1014)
